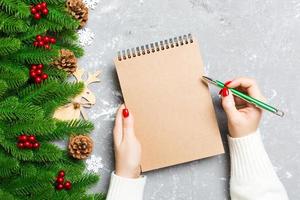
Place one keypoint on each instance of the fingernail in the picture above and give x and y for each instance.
(225, 92)
(125, 113)
(220, 93)
(227, 83)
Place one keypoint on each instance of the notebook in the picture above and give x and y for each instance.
(172, 107)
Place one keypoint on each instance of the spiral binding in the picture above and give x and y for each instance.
(155, 47)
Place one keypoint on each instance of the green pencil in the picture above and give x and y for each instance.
(246, 98)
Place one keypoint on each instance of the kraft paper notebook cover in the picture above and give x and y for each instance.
(174, 115)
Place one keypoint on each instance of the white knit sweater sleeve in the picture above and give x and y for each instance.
(252, 173)
(121, 188)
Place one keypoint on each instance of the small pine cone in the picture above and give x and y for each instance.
(80, 146)
(67, 61)
(78, 10)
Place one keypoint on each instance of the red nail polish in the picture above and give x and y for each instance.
(225, 92)
(227, 83)
(220, 92)
(125, 112)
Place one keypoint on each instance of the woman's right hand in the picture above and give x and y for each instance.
(243, 118)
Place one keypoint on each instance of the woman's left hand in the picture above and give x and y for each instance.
(127, 147)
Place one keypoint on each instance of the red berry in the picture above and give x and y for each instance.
(32, 74)
(60, 180)
(44, 5)
(33, 10)
(36, 145)
(61, 173)
(47, 46)
(44, 76)
(45, 11)
(37, 79)
(35, 43)
(38, 6)
(38, 71)
(31, 138)
(52, 40)
(37, 16)
(27, 144)
(33, 67)
(40, 66)
(68, 185)
(41, 43)
(59, 186)
(21, 145)
(38, 38)
(22, 138)
(46, 39)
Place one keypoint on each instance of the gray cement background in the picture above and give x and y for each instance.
(260, 39)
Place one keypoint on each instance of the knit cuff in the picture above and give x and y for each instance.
(126, 188)
(249, 159)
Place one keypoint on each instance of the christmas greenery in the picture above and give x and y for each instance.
(26, 106)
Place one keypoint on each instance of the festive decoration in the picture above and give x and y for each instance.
(67, 61)
(94, 164)
(27, 107)
(27, 142)
(60, 182)
(86, 36)
(44, 41)
(38, 10)
(91, 3)
(85, 99)
(80, 146)
(78, 10)
(37, 74)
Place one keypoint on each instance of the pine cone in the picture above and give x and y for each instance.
(78, 10)
(67, 61)
(80, 146)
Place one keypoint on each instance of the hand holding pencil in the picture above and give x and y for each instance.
(243, 117)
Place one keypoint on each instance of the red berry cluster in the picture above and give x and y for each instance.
(44, 41)
(27, 142)
(61, 183)
(39, 9)
(37, 74)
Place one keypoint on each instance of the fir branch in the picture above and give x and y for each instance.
(3, 88)
(34, 55)
(28, 170)
(62, 17)
(12, 24)
(52, 105)
(55, 73)
(33, 30)
(47, 152)
(9, 165)
(74, 127)
(14, 75)
(9, 45)
(11, 109)
(38, 127)
(16, 7)
(10, 147)
(6, 195)
(84, 181)
(42, 93)
(55, 2)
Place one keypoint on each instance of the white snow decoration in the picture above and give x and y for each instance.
(86, 37)
(94, 164)
(91, 4)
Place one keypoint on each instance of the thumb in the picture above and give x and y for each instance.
(229, 105)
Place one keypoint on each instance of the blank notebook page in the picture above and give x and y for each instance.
(173, 111)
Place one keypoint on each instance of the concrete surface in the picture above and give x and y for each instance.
(260, 39)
